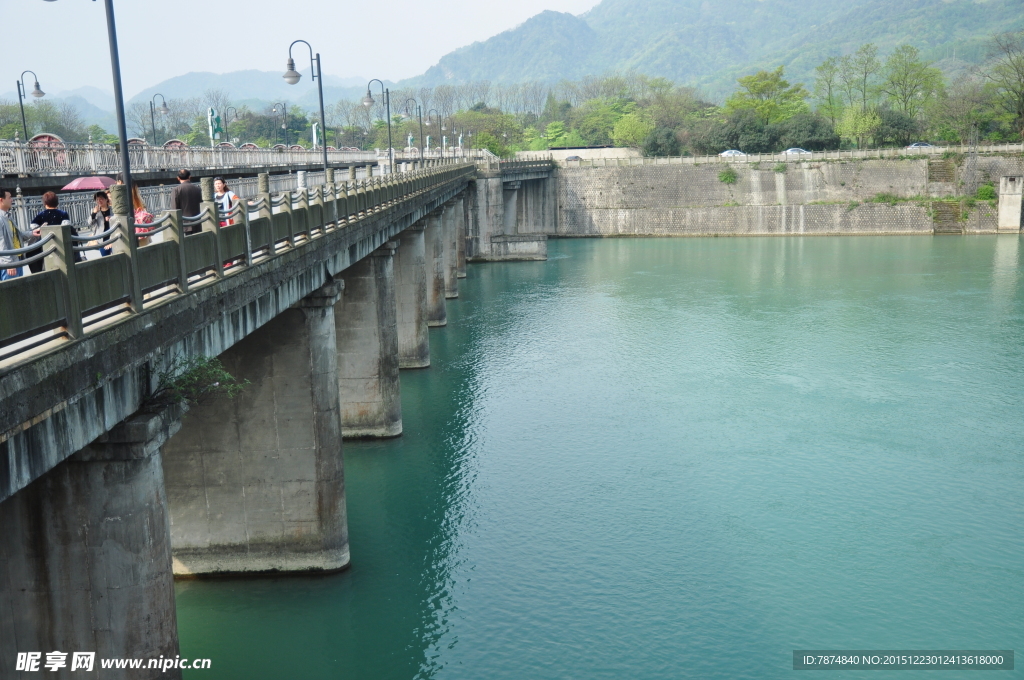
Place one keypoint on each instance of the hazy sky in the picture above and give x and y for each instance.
(65, 42)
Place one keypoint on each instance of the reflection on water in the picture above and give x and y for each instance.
(663, 458)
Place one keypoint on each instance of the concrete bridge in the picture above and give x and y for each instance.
(318, 297)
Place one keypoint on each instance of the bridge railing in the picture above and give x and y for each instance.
(522, 167)
(929, 152)
(66, 158)
(91, 280)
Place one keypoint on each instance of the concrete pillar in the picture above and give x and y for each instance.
(366, 324)
(1010, 194)
(256, 483)
(85, 557)
(433, 246)
(510, 195)
(461, 219)
(411, 299)
(489, 206)
(449, 231)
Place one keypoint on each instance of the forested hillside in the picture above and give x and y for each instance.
(709, 43)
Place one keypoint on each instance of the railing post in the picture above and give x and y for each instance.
(62, 259)
(286, 207)
(243, 212)
(263, 191)
(335, 215)
(175, 234)
(212, 224)
(120, 208)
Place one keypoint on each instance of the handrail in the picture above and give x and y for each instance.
(25, 249)
(163, 264)
(100, 244)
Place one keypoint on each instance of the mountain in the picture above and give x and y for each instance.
(263, 86)
(709, 43)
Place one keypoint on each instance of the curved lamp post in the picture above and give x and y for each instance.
(419, 114)
(153, 109)
(368, 102)
(438, 125)
(284, 125)
(291, 76)
(22, 90)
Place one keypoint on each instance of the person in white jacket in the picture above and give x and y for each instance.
(11, 237)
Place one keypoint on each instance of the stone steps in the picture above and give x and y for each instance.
(946, 217)
(941, 171)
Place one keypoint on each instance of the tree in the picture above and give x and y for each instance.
(909, 82)
(806, 131)
(857, 73)
(769, 95)
(856, 124)
(662, 142)
(1006, 71)
(632, 130)
(826, 89)
(964, 105)
(895, 127)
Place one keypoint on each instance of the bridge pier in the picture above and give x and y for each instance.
(367, 332)
(256, 483)
(450, 232)
(461, 230)
(434, 246)
(411, 298)
(85, 556)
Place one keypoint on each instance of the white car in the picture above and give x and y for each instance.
(732, 152)
(797, 151)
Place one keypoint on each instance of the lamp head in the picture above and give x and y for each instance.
(163, 110)
(368, 99)
(291, 76)
(37, 92)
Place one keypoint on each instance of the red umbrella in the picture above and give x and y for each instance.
(96, 183)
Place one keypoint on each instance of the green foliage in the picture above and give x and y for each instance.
(780, 167)
(662, 142)
(728, 176)
(769, 95)
(986, 192)
(486, 140)
(856, 124)
(190, 380)
(632, 130)
(908, 81)
(884, 197)
(99, 135)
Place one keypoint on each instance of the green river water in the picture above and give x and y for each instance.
(669, 458)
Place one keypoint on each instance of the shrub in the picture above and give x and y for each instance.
(891, 199)
(780, 167)
(728, 176)
(986, 192)
(189, 380)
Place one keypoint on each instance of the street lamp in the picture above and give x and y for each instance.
(36, 92)
(439, 128)
(291, 76)
(284, 125)
(122, 127)
(153, 108)
(368, 102)
(419, 114)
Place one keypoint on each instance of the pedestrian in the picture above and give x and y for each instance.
(226, 199)
(50, 216)
(142, 216)
(11, 237)
(187, 198)
(99, 221)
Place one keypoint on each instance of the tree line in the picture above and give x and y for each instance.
(858, 99)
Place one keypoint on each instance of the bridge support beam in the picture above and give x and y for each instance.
(450, 233)
(434, 245)
(366, 325)
(411, 298)
(256, 483)
(85, 556)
